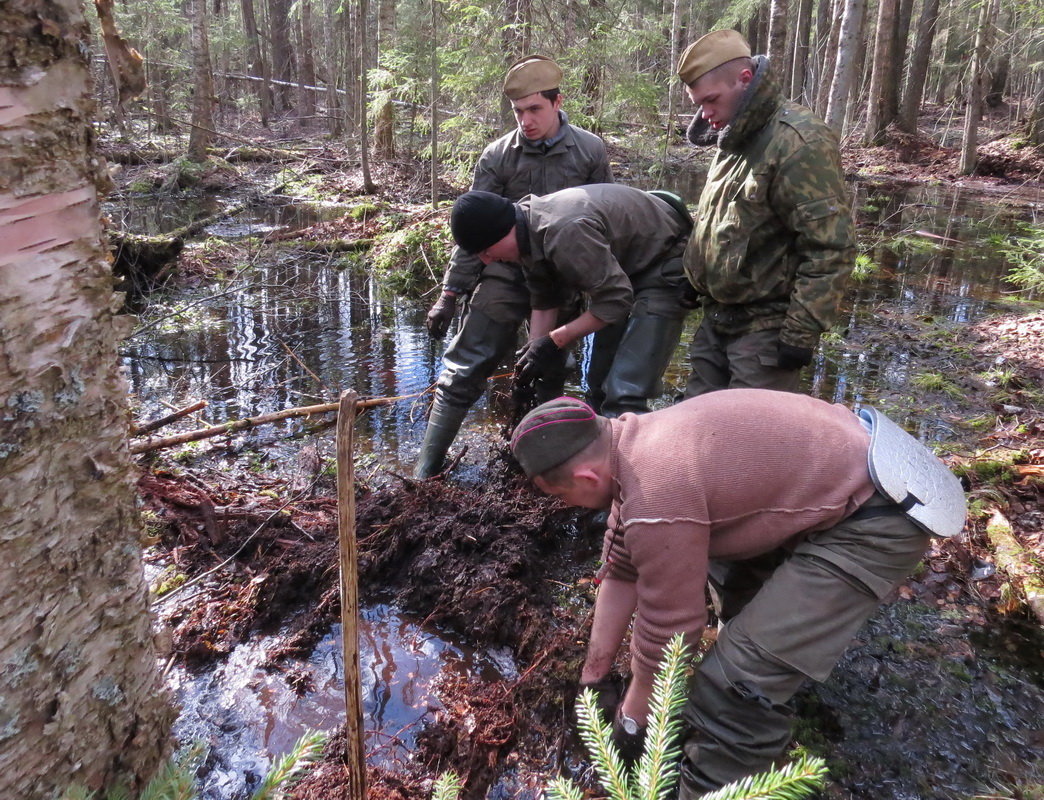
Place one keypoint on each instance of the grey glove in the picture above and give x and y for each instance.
(441, 315)
(791, 357)
(538, 357)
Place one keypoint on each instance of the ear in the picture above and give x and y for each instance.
(746, 76)
(588, 475)
(556, 104)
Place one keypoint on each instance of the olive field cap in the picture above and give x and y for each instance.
(552, 433)
(531, 74)
(481, 219)
(709, 52)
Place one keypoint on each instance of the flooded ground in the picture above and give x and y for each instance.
(288, 328)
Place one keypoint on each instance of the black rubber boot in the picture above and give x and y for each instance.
(443, 424)
(643, 354)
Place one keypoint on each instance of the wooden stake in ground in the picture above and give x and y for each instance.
(354, 754)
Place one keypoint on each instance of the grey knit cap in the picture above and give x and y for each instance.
(552, 433)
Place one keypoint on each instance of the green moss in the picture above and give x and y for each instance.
(410, 261)
(865, 267)
(935, 382)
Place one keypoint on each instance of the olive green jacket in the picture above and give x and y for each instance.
(607, 240)
(513, 168)
(773, 242)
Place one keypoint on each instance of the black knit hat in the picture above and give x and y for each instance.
(480, 219)
(552, 433)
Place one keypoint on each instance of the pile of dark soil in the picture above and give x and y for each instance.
(488, 563)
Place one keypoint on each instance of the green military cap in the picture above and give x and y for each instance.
(552, 433)
(531, 74)
(709, 52)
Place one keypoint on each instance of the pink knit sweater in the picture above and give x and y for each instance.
(730, 474)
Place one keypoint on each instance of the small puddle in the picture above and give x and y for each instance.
(249, 717)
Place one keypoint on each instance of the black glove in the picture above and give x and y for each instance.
(535, 359)
(441, 315)
(609, 691)
(690, 297)
(628, 738)
(791, 357)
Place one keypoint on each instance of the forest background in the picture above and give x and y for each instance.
(413, 84)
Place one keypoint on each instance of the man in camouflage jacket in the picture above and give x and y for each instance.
(773, 241)
(542, 155)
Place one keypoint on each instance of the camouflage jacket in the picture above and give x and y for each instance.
(773, 242)
(607, 240)
(513, 168)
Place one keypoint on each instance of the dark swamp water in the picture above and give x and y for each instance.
(929, 718)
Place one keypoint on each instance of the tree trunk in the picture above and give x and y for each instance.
(777, 40)
(362, 36)
(434, 75)
(974, 90)
(384, 125)
(674, 88)
(1035, 127)
(1000, 68)
(259, 64)
(282, 53)
(802, 32)
(82, 700)
(848, 46)
(882, 75)
(826, 77)
(918, 74)
(514, 38)
(306, 73)
(335, 69)
(900, 44)
(203, 83)
(386, 25)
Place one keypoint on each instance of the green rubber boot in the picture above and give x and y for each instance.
(443, 424)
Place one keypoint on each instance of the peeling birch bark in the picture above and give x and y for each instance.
(80, 697)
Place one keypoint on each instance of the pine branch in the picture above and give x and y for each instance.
(658, 769)
(288, 769)
(794, 782)
(176, 779)
(447, 787)
(596, 734)
(562, 789)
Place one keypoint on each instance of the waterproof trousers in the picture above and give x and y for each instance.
(739, 361)
(792, 627)
(481, 345)
(628, 358)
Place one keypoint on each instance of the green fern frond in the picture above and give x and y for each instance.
(596, 734)
(793, 782)
(288, 769)
(447, 787)
(658, 768)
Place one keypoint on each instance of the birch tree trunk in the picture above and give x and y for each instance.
(918, 74)
(81, 701)
(203, 83)
(974, 91)
(844, 71)
(777, 40)
(362, 36)
(882, 75)
(802, 33)
(826, 77)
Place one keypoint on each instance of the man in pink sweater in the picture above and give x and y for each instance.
(771, 483)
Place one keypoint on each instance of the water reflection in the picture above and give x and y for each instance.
(250, 716)
(295, 329)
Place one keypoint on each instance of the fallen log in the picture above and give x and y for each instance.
(1016, 562)
(157, 443)
(174, 416)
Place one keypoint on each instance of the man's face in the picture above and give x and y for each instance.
(537, 116)
(718, 96)
(504, 250)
